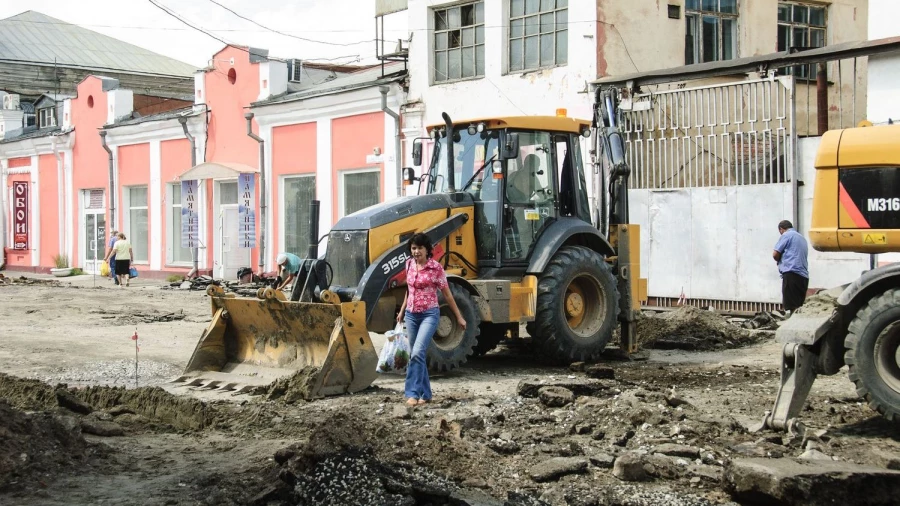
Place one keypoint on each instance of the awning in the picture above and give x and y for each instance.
(216, 170)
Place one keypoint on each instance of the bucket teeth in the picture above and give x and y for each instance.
(211, 385)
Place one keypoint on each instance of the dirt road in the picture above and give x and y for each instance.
(489, 438)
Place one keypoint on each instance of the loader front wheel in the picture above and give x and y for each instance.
(873, 353)
(577, 305)
(452, 345)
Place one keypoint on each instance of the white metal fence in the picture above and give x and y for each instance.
(712, 171)
(723, 135)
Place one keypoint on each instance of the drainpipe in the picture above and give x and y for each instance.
(397, 156)
(61, 194)
(112, 182)
(195, 253)
(262, 190)
(3, 208)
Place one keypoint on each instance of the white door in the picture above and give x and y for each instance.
(230, 255)
(94, 230)
(233, 255)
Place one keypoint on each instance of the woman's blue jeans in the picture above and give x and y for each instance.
(420, 328)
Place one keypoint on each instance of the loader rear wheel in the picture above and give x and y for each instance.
(577, 305)
(452, 345)
(873, 353)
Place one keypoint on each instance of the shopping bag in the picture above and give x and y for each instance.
(394, 356)
(104, 269)
(132, 272)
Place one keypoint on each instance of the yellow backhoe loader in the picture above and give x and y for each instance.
(856, 207)
(506, 205)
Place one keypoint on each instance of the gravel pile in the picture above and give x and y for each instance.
(114, 373)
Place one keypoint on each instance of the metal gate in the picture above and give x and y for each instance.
(712, 175)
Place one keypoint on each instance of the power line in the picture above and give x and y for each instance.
(223, 41)
(245, 18)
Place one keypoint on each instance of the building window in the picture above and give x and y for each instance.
(459, 42)
(359, 189)
(800, 27)
(711, 31)
(298, 192)
(47, 117)
(538, 34)
(176, 254)
(138, 230)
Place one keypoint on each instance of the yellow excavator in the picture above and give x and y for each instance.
(505, 202)
(856, 207)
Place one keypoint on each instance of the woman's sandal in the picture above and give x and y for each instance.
(412, 402)
(423, 401)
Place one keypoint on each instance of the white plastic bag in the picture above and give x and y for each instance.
(394, 356)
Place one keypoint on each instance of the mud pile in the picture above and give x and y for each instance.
(152, 405)
(822, 303)
(291, 389)
(690, 328)
(35, 447)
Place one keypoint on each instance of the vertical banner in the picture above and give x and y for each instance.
(20, 215)
(190, 223)
(246, 210)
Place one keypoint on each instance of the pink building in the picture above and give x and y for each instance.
(317, 132)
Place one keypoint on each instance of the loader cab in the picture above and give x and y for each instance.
(522, 173)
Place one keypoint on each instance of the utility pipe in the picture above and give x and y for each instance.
(61, 195)
(195, 253)
(112, 183)
(3, 190)
(262, 190)
(397, 156)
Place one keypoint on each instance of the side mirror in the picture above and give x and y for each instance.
(511, 146)
(417, 153)
(409, 174)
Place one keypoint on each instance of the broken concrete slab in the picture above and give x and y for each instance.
(677, 450)
(808, 483)
(68, 400)
(598, 371)
(603, 460)
(556, 467)
(578, 386)
(555, 397)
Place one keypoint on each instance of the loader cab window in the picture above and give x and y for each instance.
(529, 202)
(573, 196)
(470, 152)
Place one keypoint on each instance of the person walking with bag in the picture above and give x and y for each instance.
(124, 255)
(421, 311)
(111, 255)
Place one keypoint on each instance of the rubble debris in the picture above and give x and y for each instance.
(101, 428)
(293, 388)
(763, 320)
(134, 317)
(802, 483)
(693, 329)
(22, 280)
(598, 371)
(238, 287)
(678, 450)
(578, 386)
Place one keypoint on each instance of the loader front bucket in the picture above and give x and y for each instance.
(252, 342)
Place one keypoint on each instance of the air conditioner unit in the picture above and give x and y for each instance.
(11, 101)
(295, 70)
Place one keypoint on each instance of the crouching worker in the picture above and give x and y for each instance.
(289, 266)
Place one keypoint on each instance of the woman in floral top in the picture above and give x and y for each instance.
(420, 308)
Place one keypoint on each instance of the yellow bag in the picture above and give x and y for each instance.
(104, 269)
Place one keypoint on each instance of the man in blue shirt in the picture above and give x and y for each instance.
(790, 254)
(289, 265)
